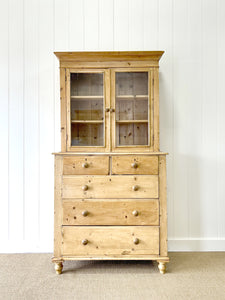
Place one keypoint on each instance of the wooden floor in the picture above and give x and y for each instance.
(190, 276)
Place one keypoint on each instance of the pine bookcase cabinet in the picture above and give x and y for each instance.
(110, 176)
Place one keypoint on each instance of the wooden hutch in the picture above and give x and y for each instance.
(110, 176)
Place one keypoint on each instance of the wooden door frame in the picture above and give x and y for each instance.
(106, 104)
(138, 148)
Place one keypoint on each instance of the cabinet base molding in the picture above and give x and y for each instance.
(161, 260)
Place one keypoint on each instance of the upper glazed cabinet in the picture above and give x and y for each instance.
(109, 103)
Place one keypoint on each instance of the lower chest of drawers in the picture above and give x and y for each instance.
(109, 207)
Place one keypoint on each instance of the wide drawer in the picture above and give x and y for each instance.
(106, 241)
(110, 186)
(145, 165)
(86, 165)
(111, 212)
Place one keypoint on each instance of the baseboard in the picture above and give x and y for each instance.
(26, 247)
(174, 245)
(207, 244)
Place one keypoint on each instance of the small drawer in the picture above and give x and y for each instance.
(110, 241)
(101, 187)
(145, 165)
(111, 212)
(83, 165)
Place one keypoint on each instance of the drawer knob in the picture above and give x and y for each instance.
(112, 110)
(107, 109)
(135, 187)
(85, 165)
(136, 241)
(135, 213)
(85, 187)
(134, 165)
(85, 242)
(85, 213)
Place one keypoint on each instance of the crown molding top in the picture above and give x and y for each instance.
(97, 56)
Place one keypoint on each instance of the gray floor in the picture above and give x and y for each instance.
(189, 276)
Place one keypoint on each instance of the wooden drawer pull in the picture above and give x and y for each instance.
(85, 242)
(136, 241)
(135, 213)
(85, 213)
(85, 187)
(135, 187)
(85, 165)
(134, 165)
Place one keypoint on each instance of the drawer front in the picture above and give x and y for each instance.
(117, 240)
(110, 212)
(145, 165)
(86, 165)
(110, 187)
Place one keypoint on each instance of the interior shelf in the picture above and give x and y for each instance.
(131, 121)
(87, 97)
(128, 97)
(87, 121)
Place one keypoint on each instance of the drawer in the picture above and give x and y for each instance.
(86, 165)
(145, 165)
(111, 212)
(110, 187)
(107, 241)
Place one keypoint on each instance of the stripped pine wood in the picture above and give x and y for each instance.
(135, 165)
(112, 175)
(86, 165)
(110, 212)
(58, 207)
(98, 186)
(107, 241)
(163, 205)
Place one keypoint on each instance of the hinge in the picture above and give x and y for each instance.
(65, 76)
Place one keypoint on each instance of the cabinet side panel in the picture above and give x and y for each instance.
(63, 109)
(163, 205)
(156, 109)
(58, 206)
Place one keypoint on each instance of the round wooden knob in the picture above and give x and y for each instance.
(107, 109)
(85, 213)
(135, 213)
(85, 165)
(85, 242)
(136, 241)
(85, 187)
(134, 165)
(135, 187)
(112, 110)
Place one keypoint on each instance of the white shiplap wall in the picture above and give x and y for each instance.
(192, 77)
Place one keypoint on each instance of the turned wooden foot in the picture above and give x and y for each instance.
(58, 267)
(162, 267)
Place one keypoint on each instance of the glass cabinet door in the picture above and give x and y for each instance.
(87, 109)
(132, 113)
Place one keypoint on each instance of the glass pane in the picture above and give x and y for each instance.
(132, 108)
(87, 107)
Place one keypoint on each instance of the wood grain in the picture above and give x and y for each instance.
(86, 165)
(110, 212)
(110, 186)
(58, 207)
(163, 205)
(115, 240)
(146, 165)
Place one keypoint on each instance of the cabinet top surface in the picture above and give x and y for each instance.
(109, 56)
